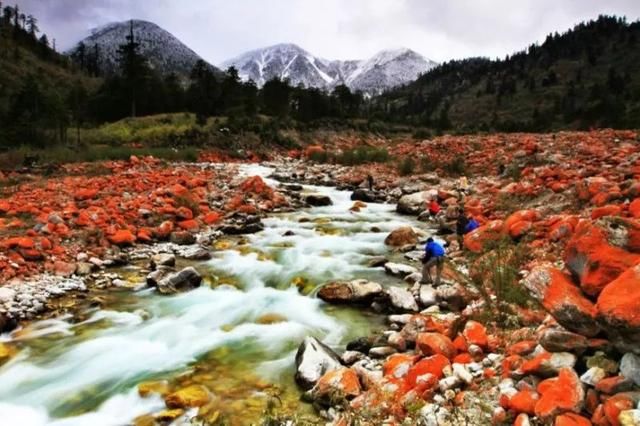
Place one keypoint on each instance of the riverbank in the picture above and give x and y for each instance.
(535, 322)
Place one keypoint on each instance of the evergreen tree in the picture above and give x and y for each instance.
(133, 68)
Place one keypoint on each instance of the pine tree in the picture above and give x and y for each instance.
(32, 26)
(133, 67)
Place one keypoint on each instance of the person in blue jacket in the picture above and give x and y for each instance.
(472, 225)
(433, 256)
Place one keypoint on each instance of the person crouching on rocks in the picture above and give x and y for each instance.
(433, 256)
(434, 208)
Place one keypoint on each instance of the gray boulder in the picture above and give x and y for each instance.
(186, 279)
(313, 360)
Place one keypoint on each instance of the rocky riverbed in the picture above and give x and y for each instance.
(235, 293)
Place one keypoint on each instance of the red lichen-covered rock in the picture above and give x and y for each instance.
(524, 401)
(598, 253)
(614, 405)
(563, 300)
(341, 384)
(475, 334)
(477, 240)
(560, 395)
(398, 365)
(402, 237)
(634, 208)
(618, 310)
(613, 385)
(123, 237)
(433, 365)
(435, 343)
(519, 223)
(571, 419)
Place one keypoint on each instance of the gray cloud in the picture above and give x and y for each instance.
(340, 29)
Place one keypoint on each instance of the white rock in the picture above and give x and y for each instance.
(593, 375)
(401, 298)
(399, 269)
(629, 418)
(427, 295)
(630, 367)
(462, 373)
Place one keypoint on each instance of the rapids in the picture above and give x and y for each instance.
(84, 371)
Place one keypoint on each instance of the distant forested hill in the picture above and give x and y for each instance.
(586, 77)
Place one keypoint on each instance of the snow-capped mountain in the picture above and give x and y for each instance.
(384, 70)
(164, 51)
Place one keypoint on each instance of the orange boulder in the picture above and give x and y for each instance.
(435, 343)
(123, 237)
(560, 395)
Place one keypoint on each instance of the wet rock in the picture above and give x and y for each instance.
(401, 299)
(318, 200)
(313, 360)
(186, 279)
(413, 204)
(630, 367)
(154, 277)
(189, 397)
(182, 238)
(563, 300)
(162, 259)
(356, 291)
(6, 324)
(241, 229)
(364, 195)
(377, 261)
(361, 344)
(399, 269)
(196, 253)
(147, 388)
(401, 237)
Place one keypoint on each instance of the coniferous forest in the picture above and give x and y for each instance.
(575, 80)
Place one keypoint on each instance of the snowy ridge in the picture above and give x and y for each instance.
(165, 52)
(386, 69)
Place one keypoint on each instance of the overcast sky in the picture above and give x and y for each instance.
(334, 29)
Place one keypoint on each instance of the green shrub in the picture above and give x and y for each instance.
(456, 167)
(406, 166)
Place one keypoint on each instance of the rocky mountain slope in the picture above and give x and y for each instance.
(387, 69)
(165, 52)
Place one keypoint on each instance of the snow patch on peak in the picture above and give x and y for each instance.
(386, 69)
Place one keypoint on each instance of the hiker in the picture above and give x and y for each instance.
(461, 227)
(434, 207)
(433, 256)
(370, 182)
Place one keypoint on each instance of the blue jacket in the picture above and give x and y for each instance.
(471, 226)
(434, 249)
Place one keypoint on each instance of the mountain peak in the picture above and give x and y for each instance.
(387, 68)
(165, 52)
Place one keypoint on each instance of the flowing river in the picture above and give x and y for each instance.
(237, 335)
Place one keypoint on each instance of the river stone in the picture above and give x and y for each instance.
(400, 237)
(186, 279)
(593, 375)
(182, 238)
(356, 291)
(377, 261)
(557, 339)
(84, 268)
(453, 296)
(363, 195)
(196, 253)
(313, 360)
(154, 277)
(247, 228)
(163, 259)
(381, 351)
(401, 299)
(630, 367)
(629, 418)
(7, 294)
(318, 200)
(399, 269)
(414, 203)
(427, 295)
(413, 278)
